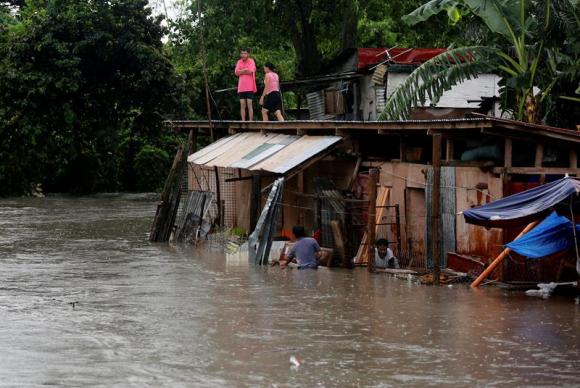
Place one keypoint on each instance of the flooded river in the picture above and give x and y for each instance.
(85, 300)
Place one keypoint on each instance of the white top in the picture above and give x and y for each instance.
(389, 261)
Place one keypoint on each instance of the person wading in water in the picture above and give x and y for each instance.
(271, 99)
(246, 73)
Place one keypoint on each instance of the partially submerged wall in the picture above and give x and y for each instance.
(472, 187)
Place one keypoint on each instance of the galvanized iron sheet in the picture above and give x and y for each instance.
(275, 153)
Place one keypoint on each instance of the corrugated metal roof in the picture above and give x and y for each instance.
(270, 152)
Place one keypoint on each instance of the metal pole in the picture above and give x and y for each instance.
(218, 196)
(436, 206)
(372, 214)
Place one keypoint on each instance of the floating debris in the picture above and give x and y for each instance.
(294, 362)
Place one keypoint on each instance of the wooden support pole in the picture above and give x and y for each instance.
(300, 189)
(507, 159)
(500, 257)
(449, 150)
(372, 214)
(255, 201)
(436, 209)
(398, 225)
(573, 159)
(539, 155)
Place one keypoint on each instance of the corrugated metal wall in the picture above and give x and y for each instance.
(316, 106)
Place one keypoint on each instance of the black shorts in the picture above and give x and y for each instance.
(246, 95)
(273, 101)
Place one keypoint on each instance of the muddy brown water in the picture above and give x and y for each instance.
(85, 300)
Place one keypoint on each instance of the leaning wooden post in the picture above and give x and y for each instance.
(372, 215)
(436, 209)
(497, 261)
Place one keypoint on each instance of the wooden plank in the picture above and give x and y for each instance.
(537, 170)
(423, 125)
(383, 198)
(338, 241)
(371, 226)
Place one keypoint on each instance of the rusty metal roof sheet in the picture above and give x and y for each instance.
(272, 152)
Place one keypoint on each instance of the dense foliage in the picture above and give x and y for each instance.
(534, 46)
(86, 85)
(298, 36)
(84, 88)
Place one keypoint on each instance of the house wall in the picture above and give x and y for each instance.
(458, 96)
(407, 182)
(472, 239)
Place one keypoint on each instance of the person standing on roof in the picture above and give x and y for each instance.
(246, 73)
(271, 99)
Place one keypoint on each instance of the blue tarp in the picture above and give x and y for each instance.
(523, 207)
(552, 235)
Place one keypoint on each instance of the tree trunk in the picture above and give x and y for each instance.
(304, 38)
(349, 25)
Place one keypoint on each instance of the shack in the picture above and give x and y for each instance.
(361, 80)
(326, 164)
(357, 83)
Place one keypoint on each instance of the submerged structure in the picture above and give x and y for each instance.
(325, 164)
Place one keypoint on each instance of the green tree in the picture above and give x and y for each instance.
(535, 46)
(83, 87)
(299, 36)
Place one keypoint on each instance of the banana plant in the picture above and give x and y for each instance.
(523, 29)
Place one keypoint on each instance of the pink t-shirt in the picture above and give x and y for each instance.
(247, 82)
(273, 84)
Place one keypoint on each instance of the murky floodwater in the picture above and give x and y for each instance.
(152, 315)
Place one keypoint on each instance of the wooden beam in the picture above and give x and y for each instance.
(539, 155)
(436, 209)
(387, 126)
(573, 159)
(371, 223)
(537, 170)
(449, 149)
(508, 153)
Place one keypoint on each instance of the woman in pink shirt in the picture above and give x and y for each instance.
(246, 73)
(271, 99)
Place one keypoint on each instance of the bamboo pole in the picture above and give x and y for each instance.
(501, 257)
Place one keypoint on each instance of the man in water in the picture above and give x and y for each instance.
(305, 251)
(384, 257)
(246, 73)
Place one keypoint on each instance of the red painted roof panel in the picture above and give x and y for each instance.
(401, 56)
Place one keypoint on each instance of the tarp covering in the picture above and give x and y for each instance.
(523, 207)
(552, 235)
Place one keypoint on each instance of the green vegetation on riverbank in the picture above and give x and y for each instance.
(86, 85)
